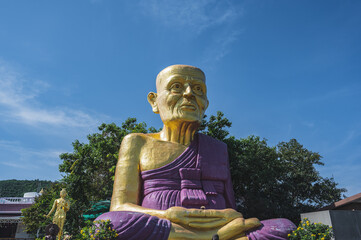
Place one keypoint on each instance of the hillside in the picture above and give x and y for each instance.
(17, 188)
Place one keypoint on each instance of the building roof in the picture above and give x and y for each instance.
(31, 194)
(354, 200)
(12, 206)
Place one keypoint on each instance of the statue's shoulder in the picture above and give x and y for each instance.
(142, 138)
(134, 138)
(135, 143)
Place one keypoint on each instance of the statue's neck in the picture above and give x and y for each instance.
(182, 133)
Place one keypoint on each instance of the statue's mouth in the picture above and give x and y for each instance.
(188, 107)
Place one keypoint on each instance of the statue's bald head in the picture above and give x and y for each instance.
(185, 70)
(181, 94)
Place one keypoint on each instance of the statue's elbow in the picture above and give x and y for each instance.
(117, 207)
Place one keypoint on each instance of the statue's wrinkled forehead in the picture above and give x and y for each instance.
(183, 70)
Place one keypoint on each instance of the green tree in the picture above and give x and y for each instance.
(255, 174)
(215, 126)
(302, 186)
(89, 169)
(271, 182)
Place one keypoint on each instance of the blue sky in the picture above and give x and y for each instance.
(277, 69)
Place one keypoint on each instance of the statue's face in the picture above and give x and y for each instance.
(181, 94)
(63, 193)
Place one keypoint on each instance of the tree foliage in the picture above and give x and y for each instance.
(271, 182)
(89, 169)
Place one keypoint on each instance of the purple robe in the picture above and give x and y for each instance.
(198, 177)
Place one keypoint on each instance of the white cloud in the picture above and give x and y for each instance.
(27, 157)
(194, 15)
(14, 146)
(15, 165)
(18, 99)
(192, 18)
(326, 97)
(308, 124)
(220, 47)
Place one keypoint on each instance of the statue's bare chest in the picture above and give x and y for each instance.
(156, 154)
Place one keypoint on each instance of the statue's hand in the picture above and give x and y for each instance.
(229, 214)
(237, 228)
(187, 217)
(223, 217)
(203, 224)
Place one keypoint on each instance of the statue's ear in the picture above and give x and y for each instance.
(152, 97)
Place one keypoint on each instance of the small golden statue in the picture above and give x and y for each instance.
(61, 205)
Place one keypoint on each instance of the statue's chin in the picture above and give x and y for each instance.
(182, 117)
(184, 120)
(189, 115)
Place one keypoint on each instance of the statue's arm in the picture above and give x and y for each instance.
(126, 188)
(67, 206)
(53, 208)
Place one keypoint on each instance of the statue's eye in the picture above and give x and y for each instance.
(197, 89)
(176, 87)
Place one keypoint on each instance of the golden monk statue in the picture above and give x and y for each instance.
(61, 205)
(175, 184)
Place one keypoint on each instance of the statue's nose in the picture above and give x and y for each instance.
(188, 92)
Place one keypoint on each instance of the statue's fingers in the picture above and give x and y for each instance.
(214, 213)
(207, 213)
(202, 213)
(237, 227)
(219, 222)
(203, 220)
(229, 214)
(251, 223)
